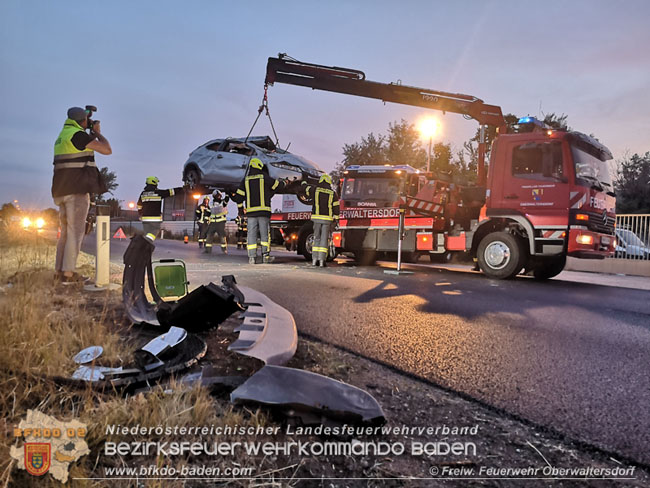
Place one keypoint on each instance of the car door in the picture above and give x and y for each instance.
(227, 163)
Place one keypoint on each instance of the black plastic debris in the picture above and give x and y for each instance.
(311, 393)
(137, 265)
(153, 353)
(204, 308)
(180, 357)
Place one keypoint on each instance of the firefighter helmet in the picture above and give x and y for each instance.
(325, 177)
(256, 163)
(152, 180)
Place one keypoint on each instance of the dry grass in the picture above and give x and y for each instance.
(42, 325)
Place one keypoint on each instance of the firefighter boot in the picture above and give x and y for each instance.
(314, 262)
(268, 259)
(200, 244)
(208, 250)
(251, 260)
(322, 263)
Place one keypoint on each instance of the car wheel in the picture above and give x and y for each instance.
(549, 267)
(192, 178)
(501, 255)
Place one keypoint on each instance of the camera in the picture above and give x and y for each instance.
(89, 110)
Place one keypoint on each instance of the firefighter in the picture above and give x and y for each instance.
(218, 217)
(150, 207)
(242, 230)
(325, 210)
(202, 217)
(256, 189)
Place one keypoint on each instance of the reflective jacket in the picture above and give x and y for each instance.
(326, 202)
(242, 223)
(150, 203)
(202, 213)
(256, 191)
(75, 171)
(219, 211)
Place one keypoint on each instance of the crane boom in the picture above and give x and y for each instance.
(284, 69)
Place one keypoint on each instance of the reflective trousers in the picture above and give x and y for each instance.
(259, 227)
(151, 229)
(321, 239)
(203, 232)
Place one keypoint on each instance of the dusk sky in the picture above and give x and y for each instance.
(168, 76)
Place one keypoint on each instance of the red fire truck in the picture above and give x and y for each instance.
(548, 193)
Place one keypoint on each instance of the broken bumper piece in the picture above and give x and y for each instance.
(268, 332)
(310, 393)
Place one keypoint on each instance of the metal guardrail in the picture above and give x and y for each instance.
(633, 237)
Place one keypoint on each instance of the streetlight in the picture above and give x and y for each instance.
(196, 197)
(428, 127)
(131, 207)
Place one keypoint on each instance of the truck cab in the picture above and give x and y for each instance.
(557, 186)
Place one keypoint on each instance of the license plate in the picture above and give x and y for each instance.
(605, 241)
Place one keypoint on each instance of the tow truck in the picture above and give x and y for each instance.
(547, 194)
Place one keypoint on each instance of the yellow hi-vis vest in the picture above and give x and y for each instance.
(75, 171)
(66, 155)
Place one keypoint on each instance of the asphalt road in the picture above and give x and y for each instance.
(572, 356)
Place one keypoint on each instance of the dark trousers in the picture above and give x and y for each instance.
(203, 232)
(218, 228)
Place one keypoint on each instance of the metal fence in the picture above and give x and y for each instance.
(633, 237)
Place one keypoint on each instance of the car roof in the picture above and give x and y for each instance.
(257, 140)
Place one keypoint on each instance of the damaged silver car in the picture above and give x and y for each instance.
(222, 163)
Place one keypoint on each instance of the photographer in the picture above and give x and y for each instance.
(75, 178)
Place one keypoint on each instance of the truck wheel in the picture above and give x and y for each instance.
(306, 240)
(549, 267)
(367, 257)
(501, 255)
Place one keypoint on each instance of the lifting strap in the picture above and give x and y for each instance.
(262, 108)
